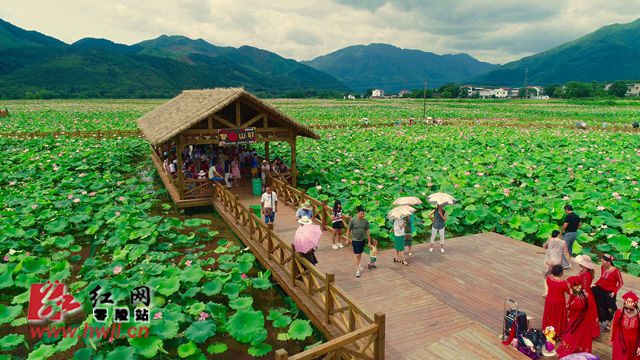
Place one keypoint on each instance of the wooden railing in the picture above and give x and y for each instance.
(322, 213)
(359, 335)
(197, 188)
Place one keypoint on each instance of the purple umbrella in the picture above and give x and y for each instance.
(306, 238)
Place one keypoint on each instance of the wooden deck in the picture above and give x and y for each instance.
(441, 306)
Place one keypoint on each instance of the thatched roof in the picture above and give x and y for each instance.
(193, 106)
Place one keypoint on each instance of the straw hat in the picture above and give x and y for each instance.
(202, 173)
(264, 161)
(584, 260)
(305, 220)
(306, 205)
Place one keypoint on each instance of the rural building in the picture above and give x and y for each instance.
(219, 118)
(351, 97)
(633, 90)
(403, 93)
(377, 93)
(501, 93)
(514, 93)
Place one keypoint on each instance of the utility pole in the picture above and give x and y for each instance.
(526, 91)
(424, 106)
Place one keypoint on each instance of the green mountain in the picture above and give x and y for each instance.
(179, 47)
(610, 53)
(393, 69)
(12, 36)
(33, 65)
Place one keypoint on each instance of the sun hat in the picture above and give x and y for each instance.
(306, 205)
(305, 220)
(202, 173)
(264, 161)
(584, 260)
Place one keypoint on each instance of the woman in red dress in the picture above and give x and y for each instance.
(555, 305)
(625, 330)
(577, 337)
(606, 289)
(586, 275)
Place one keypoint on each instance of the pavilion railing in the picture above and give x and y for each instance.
(360, 335)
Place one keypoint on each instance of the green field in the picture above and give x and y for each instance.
(88, 211)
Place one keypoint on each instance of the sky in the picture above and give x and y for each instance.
(495, 31)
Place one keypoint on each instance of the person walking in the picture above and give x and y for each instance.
(555, 306)
(570, 232)
(311, 254)
(235, 171)
(408, 233)
(439, 218)
(269, 204)
(398, 241)
(357, 233)
(304, 210)
(625, 331)
(265, 169)
(555, 249)
(605, 291)
(337, 225)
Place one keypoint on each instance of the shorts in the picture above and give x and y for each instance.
(254, 171)
(408, 240)
(358, 246)
(338, 225)
(398, 242)
(270, 218)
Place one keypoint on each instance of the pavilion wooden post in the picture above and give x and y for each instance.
(294, 169)
(379, 348)
(179, 175)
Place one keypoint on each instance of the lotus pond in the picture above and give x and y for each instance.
(512, 181)
(89, 213)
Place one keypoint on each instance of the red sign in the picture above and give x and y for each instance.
(41, 298)
(237, 136)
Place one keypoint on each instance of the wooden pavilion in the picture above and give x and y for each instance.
(219, 117)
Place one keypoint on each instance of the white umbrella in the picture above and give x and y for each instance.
(400, 212)
(441, 199)
(407, 200)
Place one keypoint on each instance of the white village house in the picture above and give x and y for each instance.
(377, 93)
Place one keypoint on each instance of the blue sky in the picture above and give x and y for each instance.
(496, 31)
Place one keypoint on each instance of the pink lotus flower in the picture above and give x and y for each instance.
(93, 193)
(616, 195)
(244, 276)
(117, 269)
(12, 183)
(121, 198)
(76, 200)
(111, 340)
(34, 206)
(82, 175)
(361, 182)
(157, 316)
(70, 197)
(476, 186)
(456, 186)
(344, 180)
(6, 258)
(117, 213)
(416, 178)
(467, 173)
(480, 174)
(565, 197)
(187, 263)
(84, 192)
(382, 186)
(506, 192)
(203, 316)
(601, 208)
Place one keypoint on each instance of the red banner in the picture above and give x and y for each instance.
(237, 136)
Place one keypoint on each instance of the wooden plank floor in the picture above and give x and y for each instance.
(442, 306)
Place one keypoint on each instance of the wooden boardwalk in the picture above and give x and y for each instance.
(441, 306)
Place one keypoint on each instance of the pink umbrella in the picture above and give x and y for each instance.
(306, 238)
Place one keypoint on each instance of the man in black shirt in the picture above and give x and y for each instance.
(570, 231)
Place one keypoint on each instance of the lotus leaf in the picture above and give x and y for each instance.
(245, 324)
(187, 349)
(9, 342)
(300, 329)
(260, 350)
(217, 348)
(200, 331)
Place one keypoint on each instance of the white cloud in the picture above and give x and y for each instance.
(495, 31)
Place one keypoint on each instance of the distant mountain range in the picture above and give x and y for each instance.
(607, 54)
(36, 65)
(387, 67)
